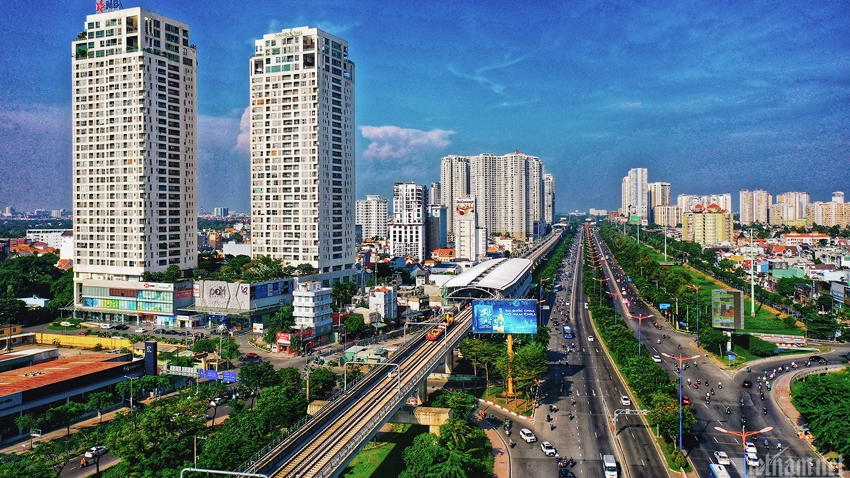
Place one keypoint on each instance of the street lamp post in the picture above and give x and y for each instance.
(640, 319)
(681, 361)
(696, 288)
(131, 389)
(744, 435)
(600, 289)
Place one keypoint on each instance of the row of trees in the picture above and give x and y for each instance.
(158, 440)
(650, 383)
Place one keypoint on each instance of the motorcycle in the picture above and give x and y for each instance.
(764, 410)
(728, 411)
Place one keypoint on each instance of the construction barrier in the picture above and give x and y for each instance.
(81, 341)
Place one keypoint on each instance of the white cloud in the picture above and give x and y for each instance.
(243, 141)
(392, 142)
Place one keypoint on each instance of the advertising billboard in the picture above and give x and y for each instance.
(727, 309)
(517, 316)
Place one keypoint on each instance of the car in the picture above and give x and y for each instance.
(114, 351)
(66, 324)
(590, 338)
(547, 448)
(182, 333)
(170, 332)
(686, 400)
(199, 335)
(122, 326)
(158, 331)
(527, 435)
(251, 355)
(625, 401)
(747, 384)
(722, 458)
(139, 331)
(750, 447)
(565, 472)
(656, 358)
(116, 337)
(107, 326)
(96, 451)
(753, 459)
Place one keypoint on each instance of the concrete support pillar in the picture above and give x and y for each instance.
(435, 429)
(449, 359)
(422, 392)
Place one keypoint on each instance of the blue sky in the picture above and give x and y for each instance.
(712, 97)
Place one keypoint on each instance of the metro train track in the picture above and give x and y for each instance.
(337, 428)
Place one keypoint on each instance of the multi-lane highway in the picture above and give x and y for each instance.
(704, 440)
(591, 392)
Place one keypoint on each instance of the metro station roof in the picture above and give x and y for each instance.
(497, 275)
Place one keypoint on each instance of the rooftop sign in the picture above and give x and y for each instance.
(103, 6)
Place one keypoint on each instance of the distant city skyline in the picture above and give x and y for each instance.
(712, 98)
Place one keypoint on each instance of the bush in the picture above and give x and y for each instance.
(760, 347)
(98, 347)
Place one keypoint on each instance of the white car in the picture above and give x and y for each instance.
(751, 448)
(96, 451)
(722, 458)
(66, 324)
(752, 459)
(656, 358)
(625, 400)
(527, 435)
(547, 448)
(107, 326)
(140, 331)
(590, 338)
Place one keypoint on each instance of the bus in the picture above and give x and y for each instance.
(718, 471)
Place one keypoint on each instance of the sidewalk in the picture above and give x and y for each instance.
(501, 452)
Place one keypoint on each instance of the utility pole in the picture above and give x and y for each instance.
(752, 276)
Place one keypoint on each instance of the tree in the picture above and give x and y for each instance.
(62, 291)
(229, 349)
(98, 401)
(253, 377)
(282, 406)
(821, 399)
(12, 311)
(473, 350)
(157, 439)
(289, 377)
(422, 456)
(182, 361)
(237, 441)
(57, 453)
(322, 381)
(457, 433)
(173, 273)
(355, 324)
(343, 292)
(460, 402)
(282, 321)
(28, 423)
(305, 269)
(237, 238)
(64, 414)
(664, 413)
(529, 364)
(205, 345)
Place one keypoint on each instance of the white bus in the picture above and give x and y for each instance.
(718, 471)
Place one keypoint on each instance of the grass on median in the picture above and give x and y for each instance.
(383, 458)
(767, 320)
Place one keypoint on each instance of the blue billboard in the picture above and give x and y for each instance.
(504, 316)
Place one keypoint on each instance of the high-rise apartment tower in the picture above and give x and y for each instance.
(302, 151)
(135, 164)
